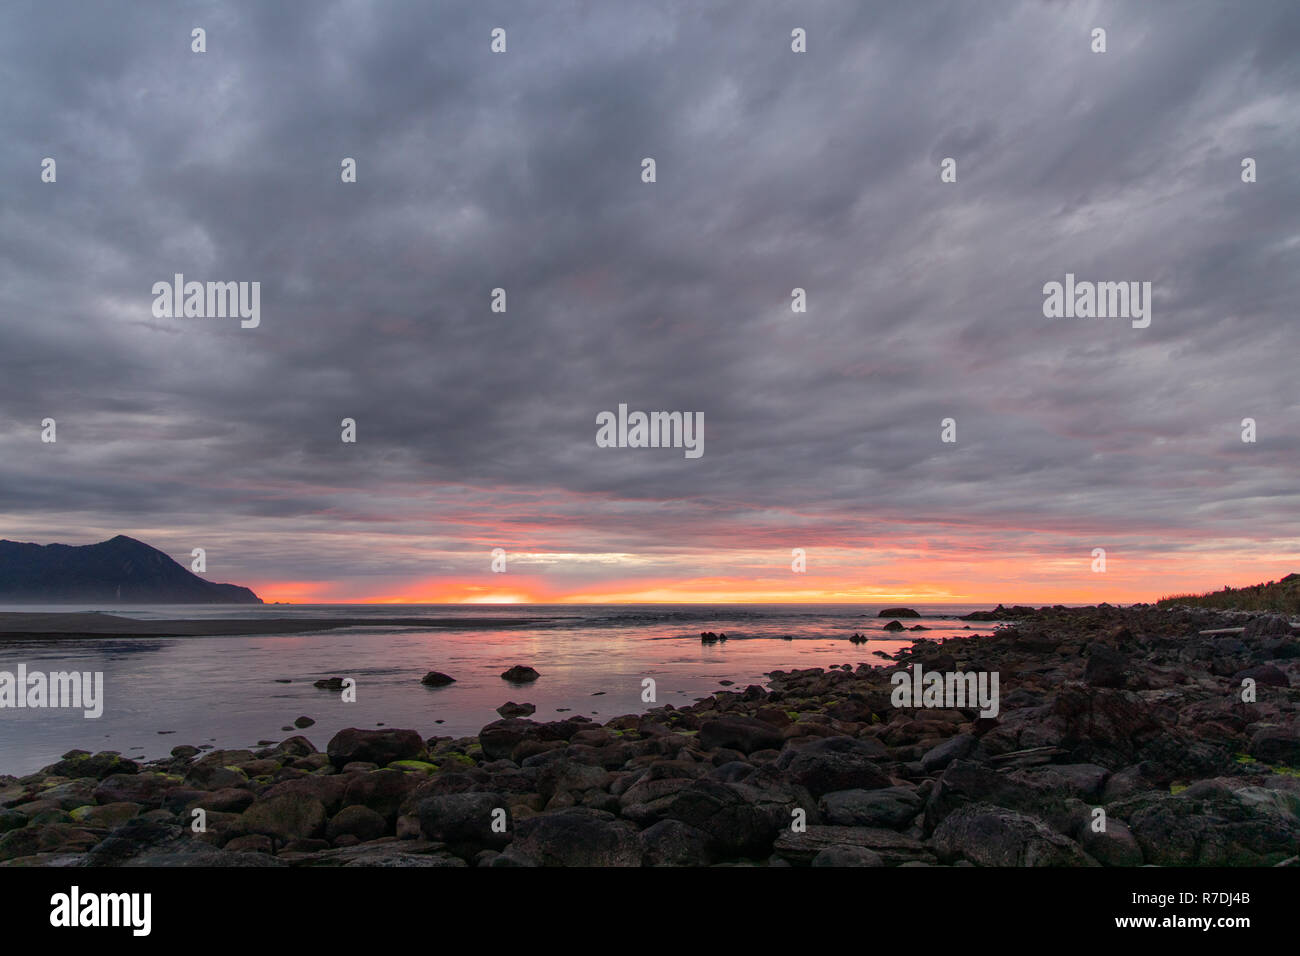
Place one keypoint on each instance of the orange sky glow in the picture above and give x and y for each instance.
(1036, 581)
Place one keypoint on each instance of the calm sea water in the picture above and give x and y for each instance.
(225, 691)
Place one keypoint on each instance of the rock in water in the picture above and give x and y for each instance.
(511, 709)
(520, 674)
(898, 612)
(437, 679)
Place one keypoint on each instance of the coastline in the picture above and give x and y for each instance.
(52, 625)
(1131, 711)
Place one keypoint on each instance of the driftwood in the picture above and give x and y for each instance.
(1030, 753)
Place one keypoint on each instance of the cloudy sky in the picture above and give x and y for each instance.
(522, 170)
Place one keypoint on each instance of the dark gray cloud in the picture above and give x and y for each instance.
(775, 170)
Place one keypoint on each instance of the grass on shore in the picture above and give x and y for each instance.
(1281, 596)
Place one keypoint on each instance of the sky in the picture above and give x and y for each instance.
(774, 170)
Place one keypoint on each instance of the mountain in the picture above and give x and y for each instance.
(121, 570)
(1283, 596)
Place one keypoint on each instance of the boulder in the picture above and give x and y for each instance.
(296, 746)
(108, 816)
(464, 821)
(560, 776)
(894, 849)
(1267, 675)
(1214, 823)
(45, 838)
(835, 763)
(847, 855)
(250, 843)
(98, 765)
(1114, 846)
(1278, 745)
(577, 836)
(499, 738)
(66, 796)
(940, 755)
(1267, 625)
(890, 807)
(744, 734)
(214, 777)
(511, 709)
(741, 819)
(380, 747)
(145, 842)
(520, 674)
(673, 843)
(233, 800)
(146, 789)
(1106, 667)
(358, 821)
(1101, 725)
(382, 791)
(287, 817)
(995, 836)
(328, 789)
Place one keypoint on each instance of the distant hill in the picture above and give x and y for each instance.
(1282, 596)
(121, 570)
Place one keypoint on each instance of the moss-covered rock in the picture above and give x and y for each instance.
(414, 766)
(108, 815)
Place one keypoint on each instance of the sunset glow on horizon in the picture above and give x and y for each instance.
(1006, 582)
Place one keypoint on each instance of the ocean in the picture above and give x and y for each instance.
(234, 692)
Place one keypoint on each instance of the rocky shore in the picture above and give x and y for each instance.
(1122, 737)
